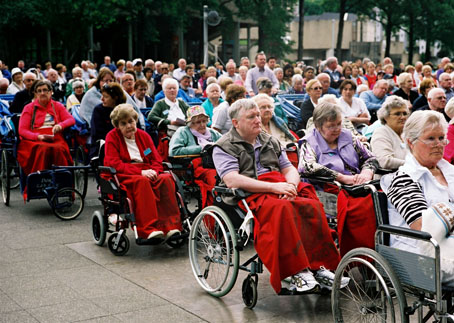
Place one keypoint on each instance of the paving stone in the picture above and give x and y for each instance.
(7, 304)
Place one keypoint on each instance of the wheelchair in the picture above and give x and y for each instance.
(383, 280)
(115, 201)
(57, 185)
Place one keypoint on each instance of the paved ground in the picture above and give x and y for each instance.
(51, 271)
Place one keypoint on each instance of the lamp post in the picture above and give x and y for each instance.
(205, 35)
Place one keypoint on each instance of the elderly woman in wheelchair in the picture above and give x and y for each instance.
(291, 233)
(331, 151)
(189, 141)
(421, 192)
(40, 128)
(139, 168)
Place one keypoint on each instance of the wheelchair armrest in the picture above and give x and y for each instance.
(164, 139)
(405, 232)
(237, 192)
(383, 171)
(106, 169)
(362, 188)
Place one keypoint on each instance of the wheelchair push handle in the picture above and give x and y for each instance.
(105, 169)
(391, 229)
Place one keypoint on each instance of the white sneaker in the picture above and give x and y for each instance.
(114, 218)
(156, 235)
(171, 233)
(326, 279)
(303, 281)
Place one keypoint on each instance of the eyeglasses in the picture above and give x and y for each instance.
(440, 98)
(434, 142)
(42, 91)
(399, 114)
(333, 128)
(266, 107)
(316, 88)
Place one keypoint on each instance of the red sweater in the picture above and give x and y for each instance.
(117, 154)
(60, 114)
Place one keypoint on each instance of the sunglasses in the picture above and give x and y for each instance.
(316, 88)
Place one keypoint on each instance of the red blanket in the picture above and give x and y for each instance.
(39, 155)
(163, 146)
(206, 179)
(154, 203)
(291, 235)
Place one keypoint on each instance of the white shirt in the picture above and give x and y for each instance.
(140, 104)
(178, 73)
(133, 150)
(358, 107)
(174, 111)
(13, 88)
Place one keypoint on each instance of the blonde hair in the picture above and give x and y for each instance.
(121, 112)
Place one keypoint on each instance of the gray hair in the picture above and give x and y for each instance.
(434, 91)
(262, 97)
(326, 112)
(212, 85)
(240, 105)
(75, 69)
(277, 70)
(402, 77)
(322, 75)
(169, 81)
(449, 109)
(390, 103)
(295, 78)
(230, 63)
(30, 74)
(329, 98)
(421, 121)
(211, 80)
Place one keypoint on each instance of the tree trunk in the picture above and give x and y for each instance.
(340, 30)
(411, 36)
(388, 31)
(427, 54)
(300, 30)
(261, 42)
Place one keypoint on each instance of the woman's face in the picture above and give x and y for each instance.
(397, 118)
(43, 94)
(407, 84)
(107, 100)
(428, 148)
(214, 94)
(79, 90)
(331, 130)
(280, 75)
(371, 69)
(107, 79)
(309, 75)
(266, 110)
(355, 70)
(428, 89)
(315, 92)
(298, 86)
(127, 127)
(243, 73)
(199, 124)
(17, 78)
(348, 72)
(427, 72)
(171, 92)
(289, 72)
(210, 73)
(348, 92)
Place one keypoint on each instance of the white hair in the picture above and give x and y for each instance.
(169, 81)
(212, 85)
(434, 91)
(295, 78)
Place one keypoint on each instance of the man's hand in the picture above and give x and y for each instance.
(56, 129)
(151, 174)
(284, 190)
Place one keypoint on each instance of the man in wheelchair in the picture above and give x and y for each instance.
(291, 233)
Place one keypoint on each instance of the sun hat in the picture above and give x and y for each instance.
(195, 111)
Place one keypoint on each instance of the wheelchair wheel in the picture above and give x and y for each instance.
(67, 203)
(5, 177)
(212, 251)
(177, 243)
(249, 291)
(98, 228)
(80, 175)
(123, 244)
(374, 293)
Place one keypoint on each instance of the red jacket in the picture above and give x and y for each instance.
(59, 112)
(117, 155)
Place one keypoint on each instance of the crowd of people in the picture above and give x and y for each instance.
(354, 118)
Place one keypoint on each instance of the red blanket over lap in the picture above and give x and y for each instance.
(38, 155)
(291, 235)
(206, 179)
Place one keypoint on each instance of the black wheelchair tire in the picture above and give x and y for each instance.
(123, 245)
(58, 207)
(81, 175)
(5, 179)
(249, 291)
(98, 228)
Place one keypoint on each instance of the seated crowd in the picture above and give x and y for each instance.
(355, 117)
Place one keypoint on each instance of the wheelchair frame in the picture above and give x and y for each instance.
(397, 273)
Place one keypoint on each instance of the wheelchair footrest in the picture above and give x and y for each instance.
(285, 291)
(153, 242)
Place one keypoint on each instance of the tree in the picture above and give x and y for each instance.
(272, 17)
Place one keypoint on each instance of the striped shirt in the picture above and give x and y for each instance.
(407, 197)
